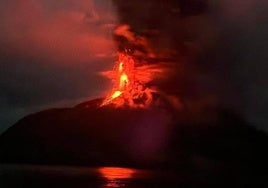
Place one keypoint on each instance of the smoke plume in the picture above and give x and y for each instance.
(207, 48)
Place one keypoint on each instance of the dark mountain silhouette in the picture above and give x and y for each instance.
(227, 149)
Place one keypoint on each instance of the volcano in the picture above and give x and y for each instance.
(90, 135)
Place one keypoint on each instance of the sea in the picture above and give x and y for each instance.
(43, 176)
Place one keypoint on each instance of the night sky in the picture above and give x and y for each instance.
(51, 52)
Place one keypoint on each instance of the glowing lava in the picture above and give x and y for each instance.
(127, 90)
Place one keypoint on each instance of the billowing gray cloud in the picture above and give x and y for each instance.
(244, 35)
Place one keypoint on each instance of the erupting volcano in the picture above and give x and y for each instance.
(127, 89)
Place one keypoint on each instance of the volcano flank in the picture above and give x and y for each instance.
(157, 137)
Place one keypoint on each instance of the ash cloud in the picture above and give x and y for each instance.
(51, 52)
(217, 51)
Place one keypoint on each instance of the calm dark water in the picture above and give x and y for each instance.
(80, 177)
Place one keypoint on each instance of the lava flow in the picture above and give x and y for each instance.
(127, 90)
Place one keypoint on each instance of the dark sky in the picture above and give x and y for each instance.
(51, 51)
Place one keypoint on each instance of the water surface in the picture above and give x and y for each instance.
(81, 177)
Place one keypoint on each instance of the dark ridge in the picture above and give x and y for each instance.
(227, 149)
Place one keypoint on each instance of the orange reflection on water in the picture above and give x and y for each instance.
(112, 173)
(115, 176)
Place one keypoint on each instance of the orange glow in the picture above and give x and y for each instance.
(115, 176)
(113, 173)
(128, 90)
(123, 81)
(116, 94)
(120, 67)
